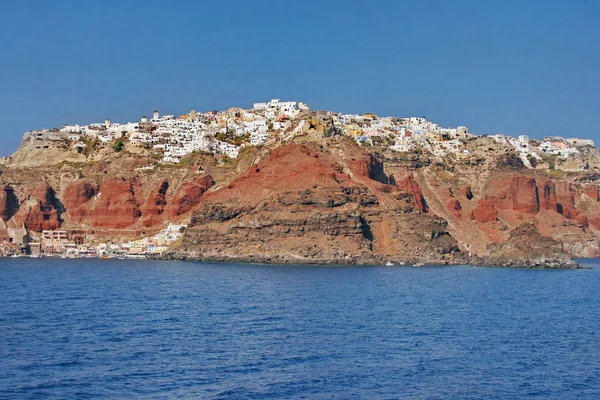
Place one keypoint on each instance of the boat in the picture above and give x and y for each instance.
(420, 264)
(389, 264)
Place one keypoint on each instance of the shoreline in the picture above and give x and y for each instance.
(541, 263)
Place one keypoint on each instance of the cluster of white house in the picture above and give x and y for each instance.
(61, 243)
(526, 147)
(226, 132)
(221, 132)
(406, 133)
(143, 247)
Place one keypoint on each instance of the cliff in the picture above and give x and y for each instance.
(316, 198)
(302, 204)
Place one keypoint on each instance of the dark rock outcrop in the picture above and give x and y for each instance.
(9, 204)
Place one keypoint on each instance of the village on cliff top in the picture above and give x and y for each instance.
(227, 133)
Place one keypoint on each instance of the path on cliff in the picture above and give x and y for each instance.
(460, 230)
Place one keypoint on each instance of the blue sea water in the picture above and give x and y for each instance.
(86, 329)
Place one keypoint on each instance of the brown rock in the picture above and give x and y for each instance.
(9, 204)
(408, 184)
(451, 203)
(591, 191)
(466, 191)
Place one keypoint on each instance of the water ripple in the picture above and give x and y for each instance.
(78, 329)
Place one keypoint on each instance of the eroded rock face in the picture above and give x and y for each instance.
(559, 197)
(565, 198)
(369, 166)
(547, 195)
(560, 209)
(518, 193)
(77, 199)
(298, 203)
(484, 212)
(408, 184)
(43, 210)
(525, 242)
(319, 198)
(9, 204)
(154, 206)
(189, 195)
(117, 206)
(528, 195)
(451, 203)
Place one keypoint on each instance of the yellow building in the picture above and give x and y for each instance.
(222, 120)
(354, 130)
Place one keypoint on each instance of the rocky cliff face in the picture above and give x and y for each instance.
(318, 198)
(41, 210)
(303, 204)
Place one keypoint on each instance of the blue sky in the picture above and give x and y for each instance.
(495, 66)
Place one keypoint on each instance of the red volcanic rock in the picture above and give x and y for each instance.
(547, 195)
(8, 203)
(368, 166)
(484, 212)
(454, 206)
(116, 207)
(77, 199)
(284, 152)
(566, 199)
(451, 203)
(44, 215)
(408, 184)
(591, 191)
(562, 199)
(520, 194)
(290, 168)
(188, 195)
(154, 206)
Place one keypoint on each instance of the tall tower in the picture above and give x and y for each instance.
(107, 123)
(156, 115)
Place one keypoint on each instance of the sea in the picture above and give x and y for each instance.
(119, 329)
